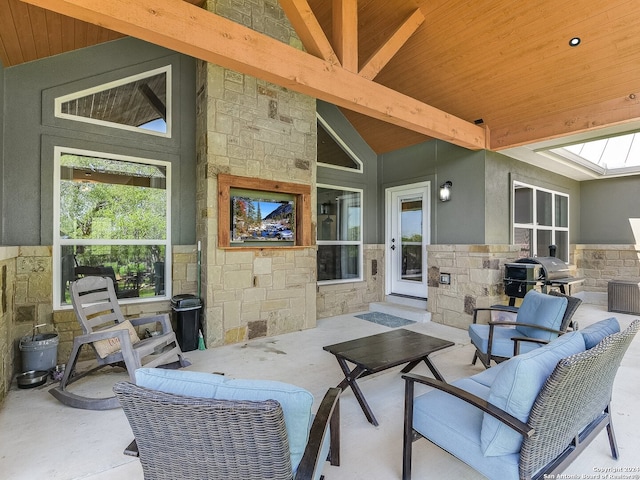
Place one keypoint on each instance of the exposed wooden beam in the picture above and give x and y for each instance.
(618, 111)
(345, 33)
(386, 51)
(192, 31)
(308, 29)
(153, 100)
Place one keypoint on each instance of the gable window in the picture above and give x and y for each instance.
(540, 219)
(333, 152)
(339, 236)
(139, 103)
(111, 218)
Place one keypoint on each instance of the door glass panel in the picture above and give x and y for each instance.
(411, 239)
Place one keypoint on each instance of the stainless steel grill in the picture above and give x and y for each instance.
(537, 272)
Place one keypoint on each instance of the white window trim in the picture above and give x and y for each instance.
(59, 242)
(534, 225)
(359, 242)
(344, 146)
(116, 83)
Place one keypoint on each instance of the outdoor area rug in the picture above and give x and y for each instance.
(385, 319)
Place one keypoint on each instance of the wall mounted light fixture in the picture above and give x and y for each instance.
(445, 191)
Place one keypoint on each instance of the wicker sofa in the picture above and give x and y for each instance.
(529, 416)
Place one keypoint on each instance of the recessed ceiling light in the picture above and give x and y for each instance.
(574, 42)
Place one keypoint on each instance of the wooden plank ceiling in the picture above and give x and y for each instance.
(507, 65)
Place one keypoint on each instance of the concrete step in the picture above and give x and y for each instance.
(403, 311)
(419, 303)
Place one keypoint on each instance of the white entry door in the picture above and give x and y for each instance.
(407, 234)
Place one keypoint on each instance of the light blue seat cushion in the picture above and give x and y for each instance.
(502, 345)
(455, 426)
(516, 387)
(488, 376)
(541, 309)
(296, 402)
(593, 334)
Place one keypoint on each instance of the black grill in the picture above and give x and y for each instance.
(528, 273)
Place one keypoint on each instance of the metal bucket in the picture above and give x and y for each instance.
(39, 352)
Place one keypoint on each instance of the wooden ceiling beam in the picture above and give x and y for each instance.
(345, 33)
(618, 111)
(190, 30)
(386, 51)
(306, 25)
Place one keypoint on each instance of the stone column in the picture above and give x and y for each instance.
(249, 127)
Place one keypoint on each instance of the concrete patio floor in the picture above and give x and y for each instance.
(42, 439)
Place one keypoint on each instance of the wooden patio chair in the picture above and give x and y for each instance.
(113, 339)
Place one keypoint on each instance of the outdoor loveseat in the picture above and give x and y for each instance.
(528, 417)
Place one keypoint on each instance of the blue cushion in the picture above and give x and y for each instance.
(296, 402)
(516, 387)
(541, 309)
(502, 345)
(455, 425)
(179, 382)
(594, 334)
(488, 376)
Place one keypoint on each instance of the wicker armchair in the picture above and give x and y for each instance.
(570, 409)
(186, 437)
(499, 340)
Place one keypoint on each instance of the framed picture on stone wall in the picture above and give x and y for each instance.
(257, 213)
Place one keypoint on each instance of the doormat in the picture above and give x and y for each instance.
(385, 319)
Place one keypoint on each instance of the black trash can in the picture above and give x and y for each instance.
(186, 317)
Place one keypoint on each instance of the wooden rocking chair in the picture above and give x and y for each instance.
(113, 339)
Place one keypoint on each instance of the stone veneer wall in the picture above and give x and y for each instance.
(476, 280)
(249, 127)
(31, 273)
(600, 263)
(477, 273)
(7, 293)
(340, 298)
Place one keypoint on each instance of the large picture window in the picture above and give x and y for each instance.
(540, 219)
(111, 218)
(339, 234)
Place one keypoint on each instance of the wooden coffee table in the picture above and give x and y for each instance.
(380, 352)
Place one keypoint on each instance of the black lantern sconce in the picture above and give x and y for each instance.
(445, 191)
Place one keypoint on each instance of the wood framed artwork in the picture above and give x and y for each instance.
(258, 213)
